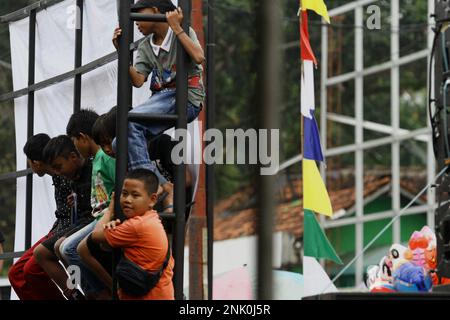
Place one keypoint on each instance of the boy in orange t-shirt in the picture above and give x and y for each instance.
(141, 235)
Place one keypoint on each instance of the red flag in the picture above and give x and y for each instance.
(306, 52)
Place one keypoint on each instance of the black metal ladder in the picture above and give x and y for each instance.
(179, 120)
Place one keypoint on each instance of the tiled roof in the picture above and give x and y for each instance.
(234, 218)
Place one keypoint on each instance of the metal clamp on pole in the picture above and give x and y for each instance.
(148, 17)
(145, 118)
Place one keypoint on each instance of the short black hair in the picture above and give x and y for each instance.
(35, 145)
(81, 122)
(163, 6)
(104, 127)
(149, 179)
(60, 146)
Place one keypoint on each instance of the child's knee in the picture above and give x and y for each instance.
(83, 250)
(41, 253)
(57, 247)
(32, 268)
(68, 251)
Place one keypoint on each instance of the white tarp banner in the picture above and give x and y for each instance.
(55, 47)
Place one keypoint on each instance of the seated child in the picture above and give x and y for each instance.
(141, 236)
(27, 278)
(103, 131)
(65, 160)
(79, 129)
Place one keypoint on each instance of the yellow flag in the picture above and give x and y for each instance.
(318, 6)
(315, 195)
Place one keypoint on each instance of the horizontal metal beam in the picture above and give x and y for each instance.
(5, 64)
(376, 216)
(378, 68)
(366, 145)
(290, 162)
(167, 216)
(376, 142)
(349, 7)
(145, 118)
(290, 45)
(4, 282)
(25, 12)
(66, 76)
(373, 126)
(148, 17)
(11, 255)
(16, 174)
(366, 201)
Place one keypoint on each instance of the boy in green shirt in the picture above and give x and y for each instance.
(79, 129)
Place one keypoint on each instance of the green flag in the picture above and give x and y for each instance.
(315, 241)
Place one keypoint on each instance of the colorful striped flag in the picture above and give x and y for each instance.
(315, 195)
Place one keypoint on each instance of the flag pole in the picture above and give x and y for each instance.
(301, 72)
(302, 187)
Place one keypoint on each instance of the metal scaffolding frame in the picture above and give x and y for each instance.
(396, 134)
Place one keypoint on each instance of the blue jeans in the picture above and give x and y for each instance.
(89, 281)
(162, 102)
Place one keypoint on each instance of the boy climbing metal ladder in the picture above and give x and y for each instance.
(179, 119)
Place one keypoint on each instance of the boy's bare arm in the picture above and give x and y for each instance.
(137, 79)
(98, 233)
(174, 19)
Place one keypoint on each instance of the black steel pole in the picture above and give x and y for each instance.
(123, 103)
(78, 55)
(210, 115)
(30, 126)
(180, 178)
(130, 41)
(268, 18)
(442, 213)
